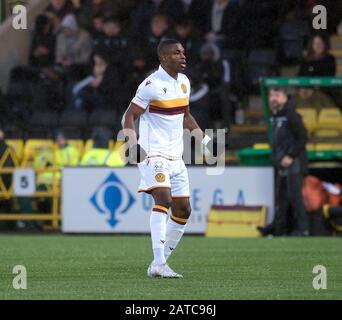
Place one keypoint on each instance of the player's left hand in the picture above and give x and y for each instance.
(210, 146)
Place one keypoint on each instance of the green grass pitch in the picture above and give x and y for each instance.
(114, 267)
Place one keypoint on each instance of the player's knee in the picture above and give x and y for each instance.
(187, 210)
(184, 211)
(162, 198)
(165, 202)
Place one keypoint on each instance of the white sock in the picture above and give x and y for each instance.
(174, 232)
(158, 233)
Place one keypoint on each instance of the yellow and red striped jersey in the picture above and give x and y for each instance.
(164, 100)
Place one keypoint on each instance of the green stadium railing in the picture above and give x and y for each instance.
(262, 157)
(292, 82)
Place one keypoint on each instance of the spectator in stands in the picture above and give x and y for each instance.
(159, 28)
(194, 10)
(47, 86)
(116, 42)
(257, 23)
(215, 72)
(189, 38)
(200, 100)
(61, 8)
(223, 26)
(58, 9)
(141, 17)
(74, 45)
(62, 156)
(42, 52)
(101, 90)
(91, 8)
(137, 72)
(5, 204)
(318, 61)
(289, 156)
(100, 155)
(66, 154)
(96, 29)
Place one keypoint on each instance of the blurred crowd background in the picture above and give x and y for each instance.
(87, 58)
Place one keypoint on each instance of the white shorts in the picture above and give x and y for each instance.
(158, 173)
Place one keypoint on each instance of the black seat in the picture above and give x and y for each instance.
(100, 118)
(237, 61)
(41, 125)
(261, 63)
(73, 119)
(73, 132)
(13, 131)
(39, 133)
(292, 38)
(43, 119)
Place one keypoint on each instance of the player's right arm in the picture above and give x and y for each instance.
(136, 108)
(132, 113)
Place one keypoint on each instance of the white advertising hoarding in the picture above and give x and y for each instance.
(105, 200)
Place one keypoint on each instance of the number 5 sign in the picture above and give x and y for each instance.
(24, 182)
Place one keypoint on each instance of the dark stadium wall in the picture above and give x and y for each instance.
(15, 43)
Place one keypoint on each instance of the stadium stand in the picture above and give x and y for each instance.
(78, 144)
(261, 63)
(74, 124)
(45, 91)
(33, 147)
(329, 123)
(309, 116)
(293, 34)
(90, 142)
(18, 147)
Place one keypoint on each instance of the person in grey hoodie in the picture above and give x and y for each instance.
(74, 45)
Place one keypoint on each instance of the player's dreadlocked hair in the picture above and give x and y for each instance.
(164, 44)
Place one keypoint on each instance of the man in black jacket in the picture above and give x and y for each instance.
(290, 162)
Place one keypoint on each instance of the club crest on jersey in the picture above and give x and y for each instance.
(160, 177)
(147, 83)
(165, 90)
(183, 86)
